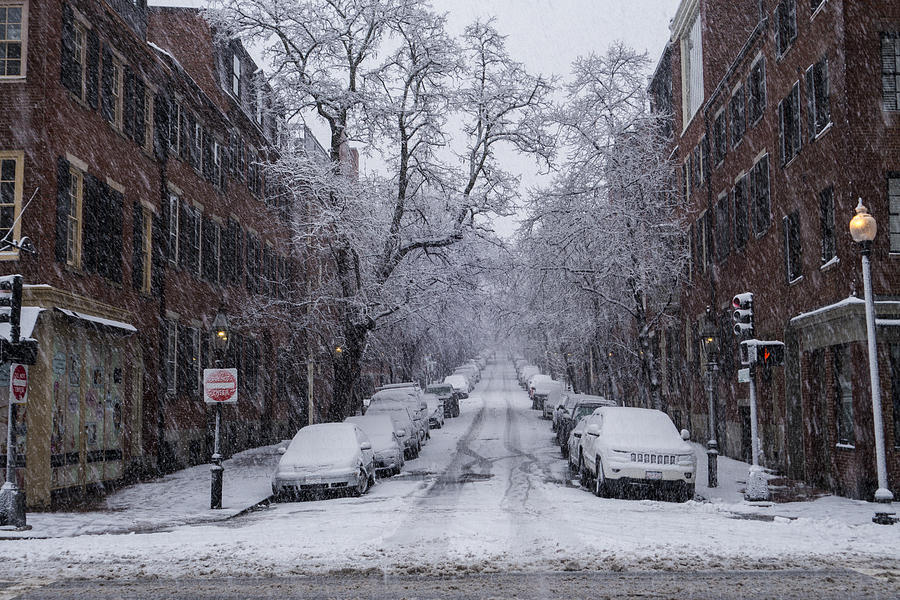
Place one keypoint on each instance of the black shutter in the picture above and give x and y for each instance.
(115, 235)
(238, 254)
(208, 265)
(781, 131)
(106, 84)
(207, 155)
(140, 91)
(137, 251)
(91, 208)
(161, 125)
(183, 363)
(158, 255)
(184, 144)
(162, 371)
(69, 75)
(811, 102)
(93, 69)
(62, 208)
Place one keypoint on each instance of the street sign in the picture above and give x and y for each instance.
(744, 375)
(220, 386)
(18, 383)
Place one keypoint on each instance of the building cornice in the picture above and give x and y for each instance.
(684, 16)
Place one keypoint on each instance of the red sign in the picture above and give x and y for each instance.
(18, 383)
(220, 386)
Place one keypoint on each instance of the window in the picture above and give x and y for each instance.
(894, 350)
(696, 170)
(73, 221)
(793, 256)
(171, 356)
(741, 222)
(785, 25)
(890, 70)
(759, 190)
(211, 250)
(196, 240)
(217, 163)
(196, 366)
(704, 158)
(756, 91)
(894, 212)
(691, 71)
(817, 98)
(686, 178)
(116, 91)
(814, 4)
(826, 220)
(236, 76)
(703, 239)
(738, 116)
(12, 33)
(720, 143)
(789, 125)
(174, 204)
(148, 119)
(723, 225)
(843, 394)
(11, 181)
(79, 58)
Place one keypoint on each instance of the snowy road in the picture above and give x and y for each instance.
(489, 494)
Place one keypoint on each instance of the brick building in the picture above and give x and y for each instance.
(784, 114)
(138, 138)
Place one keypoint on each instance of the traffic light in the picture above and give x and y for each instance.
(743, 314)
(11, 299)
(770, 354)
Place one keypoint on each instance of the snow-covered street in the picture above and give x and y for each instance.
(489, 493)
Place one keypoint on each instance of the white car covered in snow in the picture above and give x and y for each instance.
(386, 444)
(623, 448)
(460, 384)
(327, 457)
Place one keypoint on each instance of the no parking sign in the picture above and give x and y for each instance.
(18, 383)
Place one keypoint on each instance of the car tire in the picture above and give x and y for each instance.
(362, 485)
(563, 448)
(553, 426)
(687, 493)
(372, 478)
(601, 488)
(583, 474)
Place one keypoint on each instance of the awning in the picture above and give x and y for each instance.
(97, 320)
(27, 321)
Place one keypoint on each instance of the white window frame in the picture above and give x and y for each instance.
(118, 93)
(172, 357)
(236, 76)
(692, 91)
(23, 40)
(74, 222)
(19, 179)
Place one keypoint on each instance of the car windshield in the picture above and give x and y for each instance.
(583, 410)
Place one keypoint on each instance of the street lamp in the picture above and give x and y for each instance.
(863, 228)
(220, 341)
(710, 344)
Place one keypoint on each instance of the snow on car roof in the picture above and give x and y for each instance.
(395, 395)
(379, 427)
(646, 427)
(323, 443)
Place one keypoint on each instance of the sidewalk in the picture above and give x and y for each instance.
(179, 498)
(790, 499)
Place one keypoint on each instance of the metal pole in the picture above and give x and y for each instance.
(757, 488)
(712, 446)
(309, 392)
(10, 448)
(754, 434)
(217, 471)
(883, 494)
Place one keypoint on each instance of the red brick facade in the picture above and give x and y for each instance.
(802, 259)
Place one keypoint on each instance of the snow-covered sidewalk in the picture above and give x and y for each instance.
(180, 498)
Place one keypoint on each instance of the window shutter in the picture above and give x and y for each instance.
(824, 95)
(93, 68)
(779, 19)
(786, 235)
(140, 91)
(185, 354)
(137, 247)
(114, 229)
(208, 267)
(781, 125)
(62, 209)
(238, 255)
(185, 230)
(158, 255)
(184, 144)
(91, 208)
(161, 126)
(792, 16)
(106, 84)
(128, 102)
(207, 155)
(162, 370)
(795, 102)
(69, 75)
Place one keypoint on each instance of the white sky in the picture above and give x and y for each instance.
(547, 35)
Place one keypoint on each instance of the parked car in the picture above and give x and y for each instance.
(411, 395)
(460, 384)
(327, 457)
(568, 402)
(470, 373)
(536, 380)
(549, 395)
(584, 405)
(399, 412)
(572, 446)
(446, 393)
(435, 410)
(624, 448)
(386, 445)
(526, 373)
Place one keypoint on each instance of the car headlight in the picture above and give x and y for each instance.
(687, 460)
(619, 456)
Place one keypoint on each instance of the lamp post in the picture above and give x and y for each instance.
(710, 345)
(863, 228)
(220, 341)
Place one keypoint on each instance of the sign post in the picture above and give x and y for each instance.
(219, 387)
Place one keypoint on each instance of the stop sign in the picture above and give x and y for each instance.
(18, 383)
(220, 386)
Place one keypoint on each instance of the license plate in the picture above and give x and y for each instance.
(654, 475)
(313, 480)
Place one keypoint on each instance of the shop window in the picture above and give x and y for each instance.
(895, 389)
(11, 181)
(843, 395)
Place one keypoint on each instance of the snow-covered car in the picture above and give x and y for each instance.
(388, 448)
(327, 457)
(435, 410)
(526, 373)
(408, 431)
(411, 395)
(460, 384)
(470, 373)
(585, 404)
(447, 395)
(567, 404)
(538, 380)
(550, 396)
(624, 447)
(572, 446)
